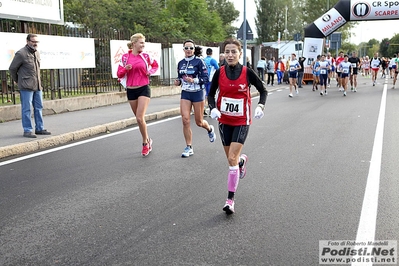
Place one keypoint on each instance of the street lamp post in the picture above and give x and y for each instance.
(245, 34)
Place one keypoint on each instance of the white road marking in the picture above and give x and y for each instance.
(368, 216)
(82, 142)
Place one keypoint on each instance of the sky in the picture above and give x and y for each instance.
(365, 31)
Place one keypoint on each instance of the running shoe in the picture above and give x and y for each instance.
(344, 93)
(290, 95)
(243, 165)
(354, 90)
(212, 135)
(373, 83)
(147, 148)
(297, 91)
(321, 93)
(229, 206)
(187, 152)
(351, 88)
(325, 92)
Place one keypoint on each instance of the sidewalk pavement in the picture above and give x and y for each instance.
(72, 126)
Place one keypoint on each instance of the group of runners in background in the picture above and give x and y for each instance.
(344, 69)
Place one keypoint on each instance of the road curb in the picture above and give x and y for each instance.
(62, 139)
(53, 141)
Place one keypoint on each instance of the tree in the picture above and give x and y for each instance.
(384, 47)
(227, 13)
(156, 19)
(270, 19)
(393, 45)
(202, 25)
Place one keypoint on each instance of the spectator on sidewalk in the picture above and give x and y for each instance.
(301, 71)
(138, 66)
(25, 71)
(270, 71)
(280, 69)
(261, 66)
(222, 60)
(192, 76)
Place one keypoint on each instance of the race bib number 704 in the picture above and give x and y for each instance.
(232, 107)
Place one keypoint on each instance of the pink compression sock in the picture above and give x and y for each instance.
(233, 178)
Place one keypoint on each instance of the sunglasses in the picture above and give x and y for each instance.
(188, 48)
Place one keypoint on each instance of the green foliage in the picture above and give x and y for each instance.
(393, 47)
(348, 48)
(383, 49)
(168, 20)
(227, 13)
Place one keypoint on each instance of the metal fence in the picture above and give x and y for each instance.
(60, 83)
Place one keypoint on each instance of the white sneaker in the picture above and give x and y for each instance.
(354, 90)
(229, 206)
(344, 93)
(290, 95)
(212, 135)
(187, 152)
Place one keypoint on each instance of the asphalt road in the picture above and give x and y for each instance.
(98, 202)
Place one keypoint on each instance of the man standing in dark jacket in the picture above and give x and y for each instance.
(25, 71)
(301, 71)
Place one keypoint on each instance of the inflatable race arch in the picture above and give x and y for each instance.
(343, 12)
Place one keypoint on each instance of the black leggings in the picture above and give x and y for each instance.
(270, 76)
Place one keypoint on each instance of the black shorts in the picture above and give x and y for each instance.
(229, 134)
(354, 71)
(134, 94)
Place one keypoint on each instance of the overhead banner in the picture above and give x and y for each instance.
(374, 10)
(118, 48)
(47, 11)
(330, 22)
(56, 52)
(351, 10)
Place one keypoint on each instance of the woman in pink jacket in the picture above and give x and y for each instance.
(136, 67)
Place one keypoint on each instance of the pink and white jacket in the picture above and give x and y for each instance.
(142, 67)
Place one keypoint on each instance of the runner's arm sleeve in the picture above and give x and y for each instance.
(259, 85)
(213, 89)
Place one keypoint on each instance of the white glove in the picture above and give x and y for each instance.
(259, 113)
(215, 114)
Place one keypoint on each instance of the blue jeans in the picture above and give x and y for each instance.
(280, 75)
(300, 78)
(35, 99)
